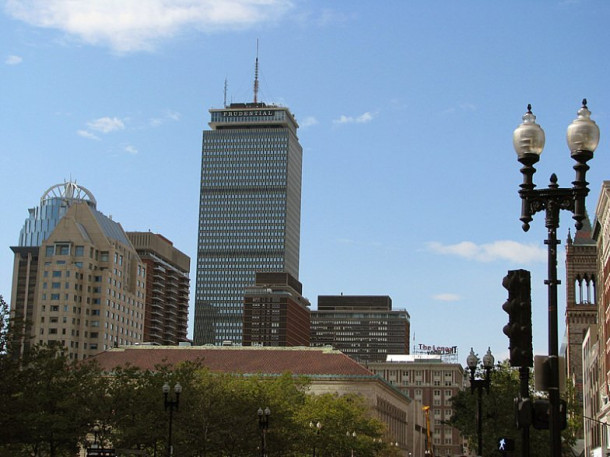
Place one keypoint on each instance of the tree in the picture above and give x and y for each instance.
(499, 414)
(346, 426)
(49, 410)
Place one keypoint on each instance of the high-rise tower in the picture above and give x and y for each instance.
(77, 280)
(249, 211)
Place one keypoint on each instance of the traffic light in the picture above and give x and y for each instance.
(541, 414)
(505, 444)
(519, 309)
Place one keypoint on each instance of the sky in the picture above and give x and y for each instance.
(406, 111)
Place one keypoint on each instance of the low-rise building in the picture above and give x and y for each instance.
(329, 371)
(431, 382)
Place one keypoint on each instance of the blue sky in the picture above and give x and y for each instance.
(406, 109)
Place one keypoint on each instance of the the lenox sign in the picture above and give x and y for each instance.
(248, 113)
(437, 349)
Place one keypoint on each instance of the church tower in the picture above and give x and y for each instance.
(581, 306)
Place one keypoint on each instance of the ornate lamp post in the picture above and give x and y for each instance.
(478, 385)
(263, 425)
(318, 428)
(351, 435)
(96, 432)
(172, 405)
(528, 141)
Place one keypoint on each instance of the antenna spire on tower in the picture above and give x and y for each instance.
(225, 97)
(256, 75)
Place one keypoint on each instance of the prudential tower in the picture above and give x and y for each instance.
(249, 211)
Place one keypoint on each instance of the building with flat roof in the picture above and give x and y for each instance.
(362, 326)
(329, 371)
(275, 312)
(167, 288)
(430, 381)
(249, 212)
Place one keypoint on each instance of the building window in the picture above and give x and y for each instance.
(79, 251)
(62, 249)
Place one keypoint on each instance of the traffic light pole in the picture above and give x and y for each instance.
(552, 200)
(524, 392)
(552, 222)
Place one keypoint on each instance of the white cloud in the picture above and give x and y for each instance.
(137, 25)
(447, 297)
(88, 135)
(498, 250)
(168, 116)
(130, 149)
(308, 122)
(362, 119)
(106, 124)
(13, 60)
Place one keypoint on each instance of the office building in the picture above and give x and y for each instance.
(167, 288)
(362, 326)
(430, 381)
(41, 221)
(249, 213)
(77, 281)
(275, 312)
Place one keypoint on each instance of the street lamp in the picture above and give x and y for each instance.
(172, 405)
(478, 385)
(318, 428)
(352, 435)
(96, 432)
(263, 425)
(528, 141)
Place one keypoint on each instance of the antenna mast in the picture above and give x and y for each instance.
(256, 75)
(225, 98)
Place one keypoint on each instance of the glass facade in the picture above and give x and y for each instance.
(53, 206)
(249, 212)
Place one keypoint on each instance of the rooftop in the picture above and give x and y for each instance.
(305, 361)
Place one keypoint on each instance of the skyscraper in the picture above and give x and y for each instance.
(249, 211)
(77, 281)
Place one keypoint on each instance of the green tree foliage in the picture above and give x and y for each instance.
(345, 427)
(48, 409)
(498, 415)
